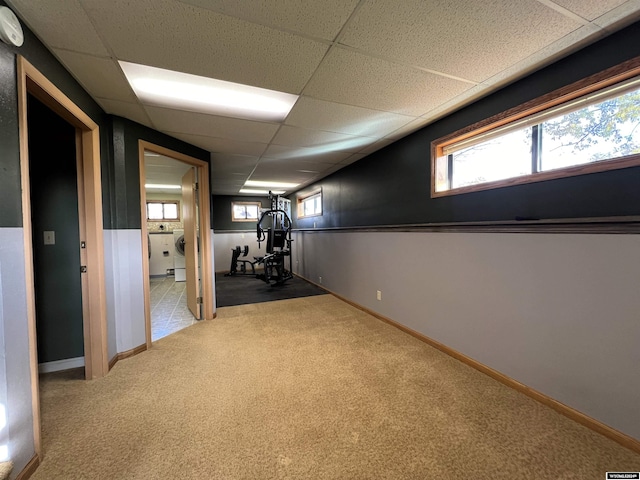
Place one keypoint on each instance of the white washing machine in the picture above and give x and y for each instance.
(178, 257)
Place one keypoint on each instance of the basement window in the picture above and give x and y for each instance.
(310, 206)
(590, 126)
(163, 211)
(245, 211)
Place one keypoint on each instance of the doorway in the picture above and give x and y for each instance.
(56, 237)
(172, 225)
(176, 240)
(87, 152)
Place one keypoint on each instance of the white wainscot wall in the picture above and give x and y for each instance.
(15, 391)
(159, 263)
(124, 290)
(557, 312)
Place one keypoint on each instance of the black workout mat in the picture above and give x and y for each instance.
(240, 290)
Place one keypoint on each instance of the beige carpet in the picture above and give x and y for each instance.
(307, 388)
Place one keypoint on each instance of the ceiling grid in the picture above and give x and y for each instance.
(367, 72)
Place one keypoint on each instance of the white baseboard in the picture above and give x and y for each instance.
(58, 365)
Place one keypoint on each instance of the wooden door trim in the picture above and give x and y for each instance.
(190, 223)
(31, 80)
(207, 307)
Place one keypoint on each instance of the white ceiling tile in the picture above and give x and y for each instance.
(336, 117)
(589, 9)
(581, 37)
(457, 102)
(236, 173)
(625, 14)
(466, 38)
(179, 121)
(228, 181)
(329, 141)
(173, 35)
(333, 169)
(374, 147)
(100, 76)
(132, 111)
(226, 161)
(302, 166)
(411, 127)
(268, 174)
(221, 145)
(306, 154)
(61, 24)
(351, 78)
(309, 17)
(230, 170)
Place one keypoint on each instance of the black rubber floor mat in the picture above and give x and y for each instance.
(240, 290)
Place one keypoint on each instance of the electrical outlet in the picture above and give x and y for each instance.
(320, 279)
(378, 294)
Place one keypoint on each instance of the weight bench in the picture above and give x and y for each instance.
(237, 262)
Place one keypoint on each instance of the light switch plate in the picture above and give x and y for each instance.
(49, 238)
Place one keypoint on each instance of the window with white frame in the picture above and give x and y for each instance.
(245, 211)
(590, 126)
(310, 206)
(158, 210)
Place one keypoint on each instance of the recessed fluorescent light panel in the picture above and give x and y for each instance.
(166, 187)
(183, 91)
(258, 183)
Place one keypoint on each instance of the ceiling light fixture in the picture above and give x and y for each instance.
(259, 183)
(183, 91)
(261, 192)
(168, 187)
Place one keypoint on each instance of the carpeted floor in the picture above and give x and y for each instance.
(241, 290)
(308, 388)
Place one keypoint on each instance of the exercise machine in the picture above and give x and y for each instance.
(274, 227)
(237, 262)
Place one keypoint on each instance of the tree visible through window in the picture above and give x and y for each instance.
(602, 126)
(598, 132)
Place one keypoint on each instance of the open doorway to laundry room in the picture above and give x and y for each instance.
(175, 214)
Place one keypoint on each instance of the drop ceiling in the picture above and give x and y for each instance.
(368, 72)
(162, 170)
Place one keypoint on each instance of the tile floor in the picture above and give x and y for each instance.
(169, 312)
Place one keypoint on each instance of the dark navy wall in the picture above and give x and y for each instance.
(124, 171)
(392, 186)
(221, 212)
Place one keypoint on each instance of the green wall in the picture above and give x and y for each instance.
(54, 207)
(124, 170)
(43, 60)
